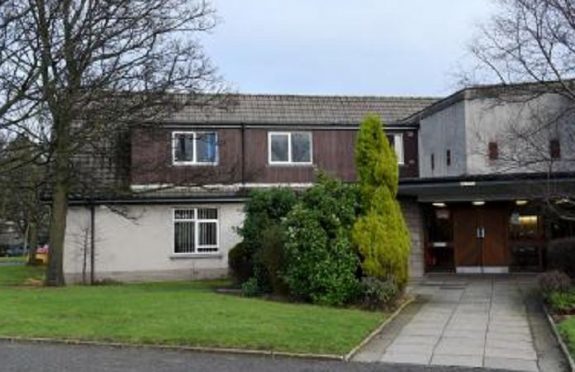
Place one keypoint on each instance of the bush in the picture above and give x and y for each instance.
(380, 234)
(553, 281)
(264, 209)
(377, 294)
(240, 263)
(318, 269)
(271, 259)
(562, 302)
(250, 288)
(337, 204)
(561, 256)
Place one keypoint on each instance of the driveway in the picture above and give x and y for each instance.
(473, 321)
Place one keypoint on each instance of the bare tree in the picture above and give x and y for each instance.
(75, 75)
(529, 41)
(21, 183)
(528, 49)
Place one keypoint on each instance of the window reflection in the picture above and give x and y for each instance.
(523, 226)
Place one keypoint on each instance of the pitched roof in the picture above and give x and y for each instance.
(303, 110)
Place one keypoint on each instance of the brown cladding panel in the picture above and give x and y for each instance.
(333, 152)
(152, 160)
(257, 169)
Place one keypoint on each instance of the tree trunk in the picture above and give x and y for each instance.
(55, 271)
(32, 244)
(92, 244)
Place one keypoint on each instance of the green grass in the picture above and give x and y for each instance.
(18, 275)
(13, 259)
(182, 313)
(567, 331)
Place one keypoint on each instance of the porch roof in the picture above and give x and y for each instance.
(489, 187)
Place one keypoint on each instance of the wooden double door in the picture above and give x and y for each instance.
(480, 236)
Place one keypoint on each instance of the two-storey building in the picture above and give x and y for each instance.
(468, 206)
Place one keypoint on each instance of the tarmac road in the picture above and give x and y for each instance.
(22, 356)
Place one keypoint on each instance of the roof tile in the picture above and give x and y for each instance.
(300, 109)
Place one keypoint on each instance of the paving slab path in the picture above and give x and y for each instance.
(472, 321)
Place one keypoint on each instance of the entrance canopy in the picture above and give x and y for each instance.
(489, 187)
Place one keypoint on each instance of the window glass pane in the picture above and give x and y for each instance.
(395, 141)
(184, 214)
(208, 234)
(555, 149)
(493, 151)
(398, 147)
(184, 237)
(207, 148)
(279, 147)
(301, 147)
(207, 214)
(184, 143)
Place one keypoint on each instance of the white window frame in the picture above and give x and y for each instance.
(194, 160)
(289, 161)
(196, 222)
(398, 147)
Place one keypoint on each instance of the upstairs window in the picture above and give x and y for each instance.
(396, 141)
(493, 151)
(290, 148)
(555, 149)
(194, 148)
(195, 230)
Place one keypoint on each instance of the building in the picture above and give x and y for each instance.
(471, 204)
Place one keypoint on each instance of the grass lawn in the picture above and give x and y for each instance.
(567, 330)
(182, 313)
(13, 259)
(15, 275)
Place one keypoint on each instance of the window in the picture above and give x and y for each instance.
(195, 230)
(493, 151)
(448, 157)
(199, 148)
(432, 161)
(290, 148)
(555, 149)
(396, 141)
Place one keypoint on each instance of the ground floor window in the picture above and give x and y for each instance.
(196, 230)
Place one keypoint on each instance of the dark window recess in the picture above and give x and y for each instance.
(432, 161)
(448, 157)
(493, 151)
(555, 149)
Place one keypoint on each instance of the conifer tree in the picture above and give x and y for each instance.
(380, 233)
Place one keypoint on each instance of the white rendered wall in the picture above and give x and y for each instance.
(522, 130)
(439, 132)
(141, 247)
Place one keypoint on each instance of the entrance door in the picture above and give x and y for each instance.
(494, 222)
(480, 238)
(466, 243)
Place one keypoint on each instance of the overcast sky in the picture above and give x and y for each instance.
(365, 47)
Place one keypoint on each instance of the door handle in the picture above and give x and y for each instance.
(480, 232)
